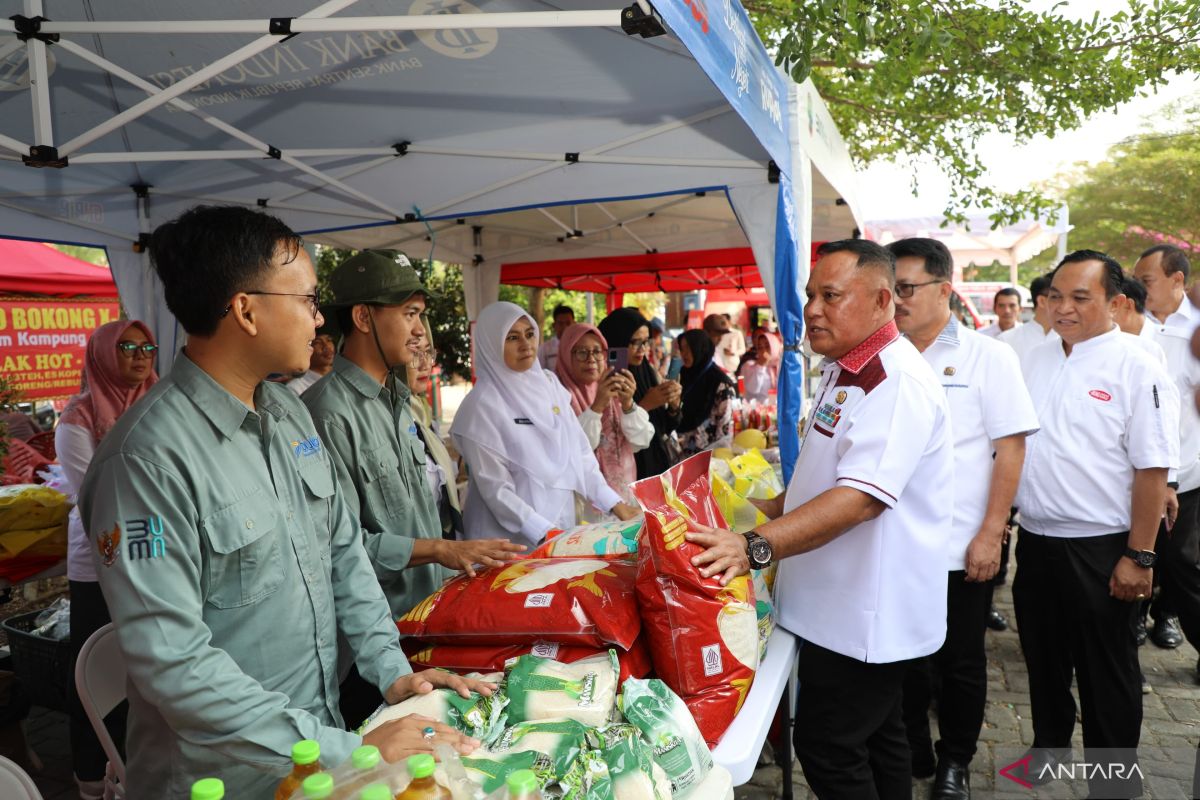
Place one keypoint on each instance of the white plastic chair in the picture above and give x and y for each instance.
(100, 681)
(15, 783)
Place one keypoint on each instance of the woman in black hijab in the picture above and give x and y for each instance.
(626, 327)
(708, 393)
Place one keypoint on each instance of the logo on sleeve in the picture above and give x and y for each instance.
(1100, 395)
(306, 448)
(108, 543)
(146, 538)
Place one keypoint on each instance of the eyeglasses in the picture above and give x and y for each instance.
(424, 357)
(313, 300)
(639, 344)
(584, 356)
(130, 350)
(907, 289)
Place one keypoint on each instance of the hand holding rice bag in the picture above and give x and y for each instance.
(600, 539)
(586, 691)
(479, 717)
(580, 601)
(703, 637)
(664, 721)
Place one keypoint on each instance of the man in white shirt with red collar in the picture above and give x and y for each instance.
(991, 414)
(862, 532)
(1092, 492)
(1171, 319)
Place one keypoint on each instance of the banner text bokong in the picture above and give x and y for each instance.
(42, 342)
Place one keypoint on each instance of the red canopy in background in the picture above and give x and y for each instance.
(36, 268)
(728, 268)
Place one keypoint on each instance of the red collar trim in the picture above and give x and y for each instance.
(870, 347)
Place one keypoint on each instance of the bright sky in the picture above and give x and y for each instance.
(1014, 167)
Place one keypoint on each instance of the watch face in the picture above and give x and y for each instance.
(1146, 559)
(760, 551)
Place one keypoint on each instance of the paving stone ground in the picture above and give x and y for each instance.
(1170, 732)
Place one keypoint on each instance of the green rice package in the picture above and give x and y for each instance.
(585, 691)
(479, 717)
(490, 769)
(587, 779)
(562, 740)
(631, 767)
(665, 722)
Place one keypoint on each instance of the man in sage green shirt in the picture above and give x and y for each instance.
(362, 414)
(227, 558)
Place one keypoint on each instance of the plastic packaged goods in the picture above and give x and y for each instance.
(480, 717)
(317, 787)
(523, 785)
(633, 773)
(490, 769)
(579, 601)
(28, 507)
(376, 791)
(366, 767)
(600, 539)
(306, 760)
(587, 779)
(633, 663)
(423, 786)
(561, 740)
(208, 789)
(541, 689)
(703, 637)
(664, 721)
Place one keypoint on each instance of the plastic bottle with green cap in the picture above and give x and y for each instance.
(366, 767)
(376, 791)
(523, 785)
(423, 786)
(306, 760)
(208, 789)
(318, 787)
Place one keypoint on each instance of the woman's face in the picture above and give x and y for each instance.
(639, 345)
(520, 346)
(762, 349)
(685, 353)
(587, 359)
(135, 366)
(420, 369)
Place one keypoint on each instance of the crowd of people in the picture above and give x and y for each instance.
(253, 542)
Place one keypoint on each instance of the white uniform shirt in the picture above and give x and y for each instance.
(1147, 343)
(1026, 337)
(75, 448)
(758, 381)
(1174, 336)
(988, 401)
(1105, 411)
(635, 425)
(881, 425)
(298, 385)
(993, 330)
(548, 353)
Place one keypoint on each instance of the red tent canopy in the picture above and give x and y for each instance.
(728, 268)
(36, 268)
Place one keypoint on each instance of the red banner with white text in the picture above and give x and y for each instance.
(42, 342)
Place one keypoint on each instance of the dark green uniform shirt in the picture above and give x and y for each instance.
(229, 564)
(380, 465)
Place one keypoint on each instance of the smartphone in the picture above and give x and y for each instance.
(618, 358)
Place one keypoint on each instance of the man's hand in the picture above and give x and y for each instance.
(983, 554)
(1171, 509)
(724, 554)
(426, 681)
(772, 509)
(488, 552)
(625, 512)
(1129, 582)
(404, 737)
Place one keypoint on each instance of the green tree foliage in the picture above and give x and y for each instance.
(1147, 192)
(925, 79)
(92, 255)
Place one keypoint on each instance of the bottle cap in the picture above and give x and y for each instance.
(523, 781)
(318, 787)
(208, 789)
(376, 791)
(365, 757)
(421, 766)
(306, 751)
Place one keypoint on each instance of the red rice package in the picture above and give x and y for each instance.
(634, 663)
(703, 637)
(578, 601)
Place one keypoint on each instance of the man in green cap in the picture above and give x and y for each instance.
(362, 413)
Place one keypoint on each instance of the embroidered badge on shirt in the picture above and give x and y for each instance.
(306, 448)
(1100, 395)
(840, 398)
(108, 543)
(949, 371)
(146, 538)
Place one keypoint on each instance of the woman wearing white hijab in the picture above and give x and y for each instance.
(525, 449)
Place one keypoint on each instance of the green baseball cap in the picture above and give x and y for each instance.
(381, 277)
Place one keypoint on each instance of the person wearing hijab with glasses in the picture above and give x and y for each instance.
(616, 427)
(527, 453)
(440, 467)
(708, 394)
(760, 373)
(118, 369)
(626, 327)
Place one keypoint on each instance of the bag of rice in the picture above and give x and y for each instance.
(562, 740)
(663, 719)
(634, 662)
(601, 539)
(754, 477)
(585, 691)
(587, 779)
(703, 637)
(490, 770)
(29, 507)
(479, 717)
(631, 767)
(580, 601)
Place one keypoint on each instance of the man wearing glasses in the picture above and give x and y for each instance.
(362, 413)
(226, 556)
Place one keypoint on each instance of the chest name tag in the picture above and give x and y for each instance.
(523, 421)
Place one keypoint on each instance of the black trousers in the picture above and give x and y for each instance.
(89, 613)
(961, 666)
(1069, 624)
(849, 735)
(1178, 568)
(357, 699)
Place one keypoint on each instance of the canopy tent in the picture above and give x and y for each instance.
(39, 269)
(434, 129)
